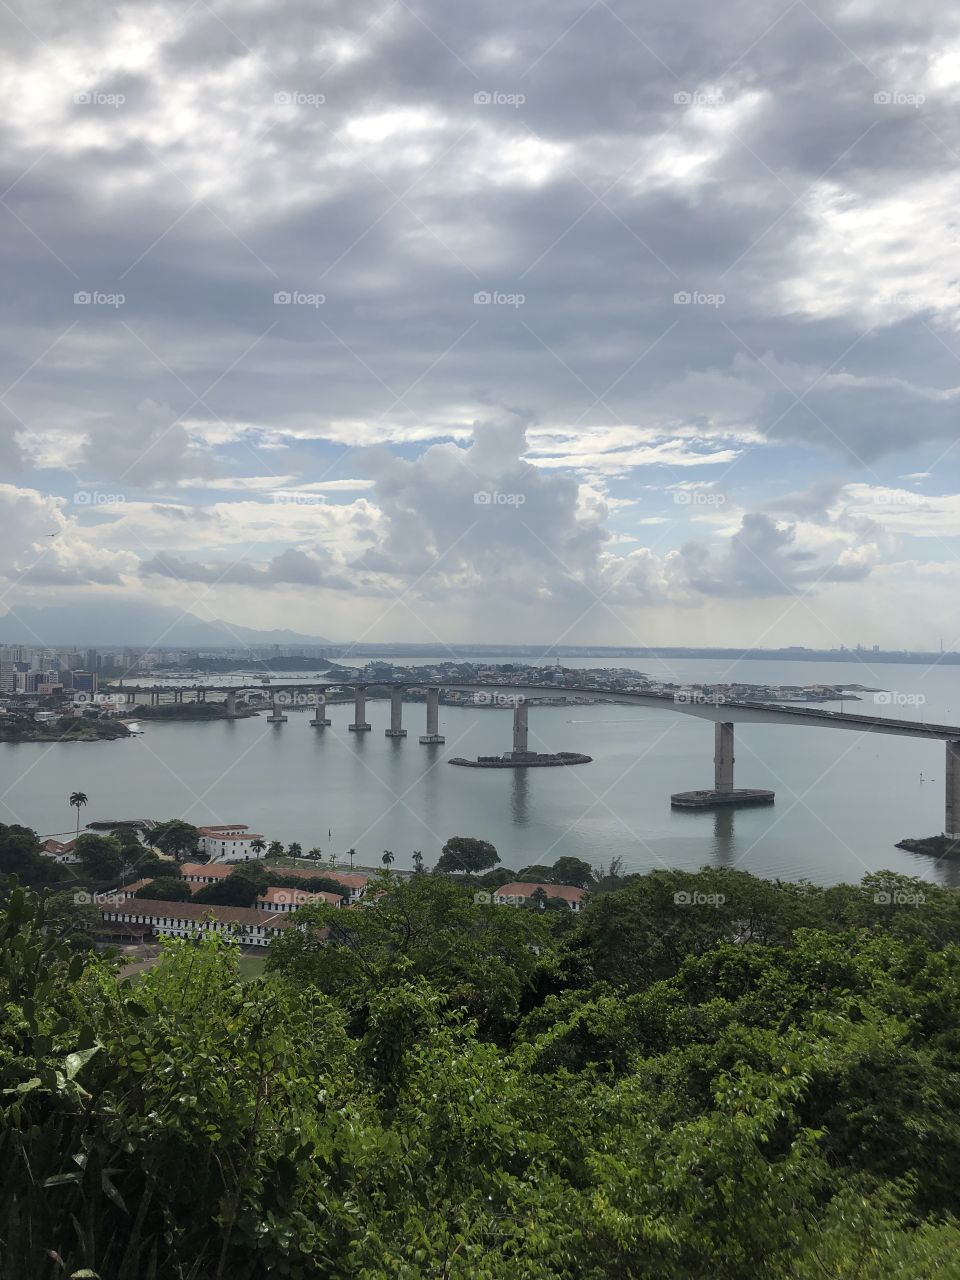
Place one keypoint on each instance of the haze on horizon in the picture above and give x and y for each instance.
(577, 322)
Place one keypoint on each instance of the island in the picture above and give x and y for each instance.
(66, 729)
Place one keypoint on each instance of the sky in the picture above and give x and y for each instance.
(559, 322)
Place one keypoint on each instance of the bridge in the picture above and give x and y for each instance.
(723, 713)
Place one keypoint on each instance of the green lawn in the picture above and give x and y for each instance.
(252, 967)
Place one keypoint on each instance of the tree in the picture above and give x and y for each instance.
(240, 888)
(573, 871)
(538, 899)
(417, 861)
(467, 853)
(77, 800)
(351, 854)
(258, 845)
(20, 856)
(100, 856)
(69, 912)
(315, 854)
(166, 889)
(177, 838)
(275, 849)
(388, 858)
(537, 872)
(294, 850)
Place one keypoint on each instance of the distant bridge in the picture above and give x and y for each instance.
(721, 712)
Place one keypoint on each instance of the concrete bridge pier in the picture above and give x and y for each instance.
(433, 719)
(276, 716)
(723, 756)
(724, 793)
(396, 729)
(360, 711)
(951, 820)
(231, 703)
(319, 719)
(521, 725)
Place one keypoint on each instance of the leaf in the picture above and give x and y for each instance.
(61, 1180)
(74, 1061)
(111, 1191)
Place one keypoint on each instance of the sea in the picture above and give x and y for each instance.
(843, 798)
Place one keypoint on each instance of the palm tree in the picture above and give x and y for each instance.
(417, 860)
(351, 854)
(315, 853)
(294, 850)
(77, 800)
(258, 846)
(275, 849)
(387, 858)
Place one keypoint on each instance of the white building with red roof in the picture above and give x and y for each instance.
(141, 917)
(230, 842)
(518, 893)
(63, 852)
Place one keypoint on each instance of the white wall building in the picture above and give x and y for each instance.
(229, 843)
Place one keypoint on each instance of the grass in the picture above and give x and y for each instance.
(252, 967)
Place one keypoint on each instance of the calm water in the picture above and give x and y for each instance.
(842, 799)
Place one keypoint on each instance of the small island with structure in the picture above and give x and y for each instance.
(523, 760)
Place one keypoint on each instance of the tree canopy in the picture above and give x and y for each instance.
(467, 853)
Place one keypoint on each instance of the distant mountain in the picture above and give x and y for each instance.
(118, 622)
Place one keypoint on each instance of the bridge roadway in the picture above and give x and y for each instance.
(704, 707)
(723, 714)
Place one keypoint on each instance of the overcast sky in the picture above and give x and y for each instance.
(577, 322)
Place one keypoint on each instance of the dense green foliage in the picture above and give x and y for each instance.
(706, 1077)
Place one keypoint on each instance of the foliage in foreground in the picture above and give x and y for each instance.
(772, 1094)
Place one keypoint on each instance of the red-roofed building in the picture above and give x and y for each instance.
(203, 872)
(519, 892)
(249, 926)
(63, 852)
(230, 842)
(279, 899)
